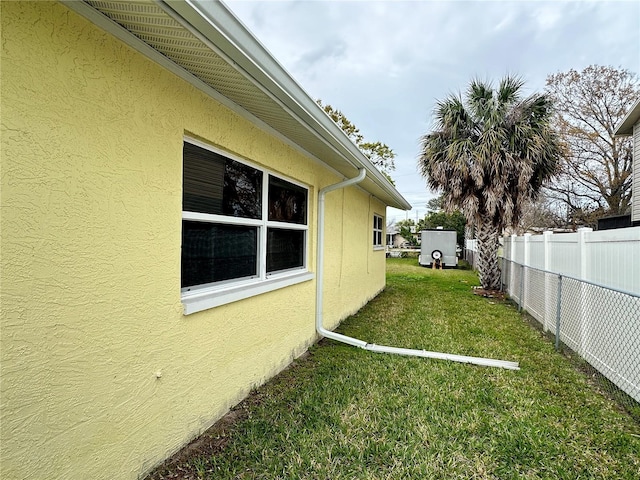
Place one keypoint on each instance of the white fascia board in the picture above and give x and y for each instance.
(216, 23)
(122, 34)
(345, 150)
(625, 128)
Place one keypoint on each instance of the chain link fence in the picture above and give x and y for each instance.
(598, 325)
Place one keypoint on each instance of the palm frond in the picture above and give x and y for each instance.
(509, 90)
(492, 150)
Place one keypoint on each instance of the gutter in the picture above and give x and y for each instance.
(486, 362)
(213, 21)
(216, 27)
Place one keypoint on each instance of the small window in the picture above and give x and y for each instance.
(378, 231)
(220, 186)
(287, 202)
(240, 224)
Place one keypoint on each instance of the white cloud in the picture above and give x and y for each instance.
(384, 63)
(547, 16)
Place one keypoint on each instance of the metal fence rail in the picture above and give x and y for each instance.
(599, 323)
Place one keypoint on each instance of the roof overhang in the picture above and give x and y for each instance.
(631, 118)
(204, 43)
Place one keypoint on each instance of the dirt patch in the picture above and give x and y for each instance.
(497, 294)
(209, 443)
(215, 438)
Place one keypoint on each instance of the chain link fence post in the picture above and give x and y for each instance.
(558, 311)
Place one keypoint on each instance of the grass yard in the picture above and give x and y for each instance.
(344, 413)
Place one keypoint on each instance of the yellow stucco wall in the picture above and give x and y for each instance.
(91, 199)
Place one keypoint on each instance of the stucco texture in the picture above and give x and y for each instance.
(92, 136)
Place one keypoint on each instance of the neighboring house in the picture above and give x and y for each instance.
(394, 239)
(400, 242)
(630, 126)
(160, 179)
(392, 232)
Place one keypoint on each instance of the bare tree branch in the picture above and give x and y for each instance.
(596, 172)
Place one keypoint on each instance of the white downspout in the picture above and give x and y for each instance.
(320, 262)
(487, 362)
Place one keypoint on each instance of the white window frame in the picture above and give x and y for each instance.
(201, 297)
(378, 232)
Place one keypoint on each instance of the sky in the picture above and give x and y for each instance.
(384, 64)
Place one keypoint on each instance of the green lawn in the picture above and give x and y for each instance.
(344, 413)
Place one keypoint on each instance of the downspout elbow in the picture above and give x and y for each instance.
(351, 181)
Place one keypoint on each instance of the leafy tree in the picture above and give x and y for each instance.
(380, 154)
(596, 169)
(448, 221)
(435, 204)
(489, 154)
(408, 231)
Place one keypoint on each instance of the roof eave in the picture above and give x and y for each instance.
(216, 27)
(219, 25)
(625, 128)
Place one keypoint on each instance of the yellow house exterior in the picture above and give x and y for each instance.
(106, 369)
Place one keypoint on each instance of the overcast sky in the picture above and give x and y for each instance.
(385, 63)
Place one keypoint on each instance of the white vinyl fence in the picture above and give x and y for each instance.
(584, 288)
(471, 251)
(610, 258)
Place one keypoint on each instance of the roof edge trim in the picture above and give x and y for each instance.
(625, 128)
(219, 25)
(231, 40)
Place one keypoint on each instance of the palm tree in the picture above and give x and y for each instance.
(490, 154)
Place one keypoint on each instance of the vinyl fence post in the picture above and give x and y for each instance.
(548, 312)
(526, 243)
(512, 260)
(558, 312)
(583, 346)
(521, 303)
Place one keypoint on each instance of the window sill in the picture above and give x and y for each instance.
(202, 300)
(378, 248)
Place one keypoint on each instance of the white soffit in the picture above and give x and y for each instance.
(206, 40)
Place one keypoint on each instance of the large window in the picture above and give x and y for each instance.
(377, 231)
(241, 225)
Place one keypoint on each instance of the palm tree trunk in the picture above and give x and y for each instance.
(488, 267)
